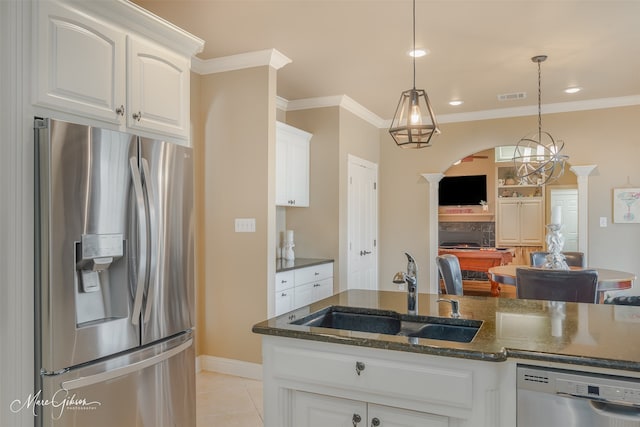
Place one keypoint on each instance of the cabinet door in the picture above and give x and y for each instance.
(282, 195)
(315, 410)
(79, 64)
(303, 295)
(531, 222)
(387, 416)
(322, 289)
(508, 227)
(292, 166)
(157, 89)
(298, 176)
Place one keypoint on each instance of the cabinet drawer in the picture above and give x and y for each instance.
(284, 301)
(412, 381)
(284, 280)
(314, 273)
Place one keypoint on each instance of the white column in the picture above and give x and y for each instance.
(434, 183)
(583, 172)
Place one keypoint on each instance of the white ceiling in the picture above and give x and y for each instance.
(479, 48)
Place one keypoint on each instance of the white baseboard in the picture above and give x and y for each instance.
(238, 368)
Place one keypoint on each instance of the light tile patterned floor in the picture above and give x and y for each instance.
(227, 401)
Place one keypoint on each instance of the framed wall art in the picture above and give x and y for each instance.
(626, 205)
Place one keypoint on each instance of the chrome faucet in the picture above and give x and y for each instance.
(455, 306)
(411, 279)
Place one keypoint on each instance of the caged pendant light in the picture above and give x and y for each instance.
(537, 157)
(414, 122)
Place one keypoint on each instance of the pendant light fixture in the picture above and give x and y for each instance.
(413, 123)
(537, 157)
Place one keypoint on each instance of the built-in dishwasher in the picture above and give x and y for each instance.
(554, 397)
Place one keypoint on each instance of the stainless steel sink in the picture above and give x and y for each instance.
(392, 323)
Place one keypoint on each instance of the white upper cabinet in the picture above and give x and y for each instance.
(80, 64)
(100, 69)
(292, 166)
(158, 88)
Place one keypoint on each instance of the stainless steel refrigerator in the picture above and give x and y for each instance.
(115, 279)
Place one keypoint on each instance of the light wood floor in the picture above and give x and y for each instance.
(227, 401)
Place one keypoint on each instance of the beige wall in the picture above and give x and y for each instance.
(320, 229)
(238, 113)
(606, 138)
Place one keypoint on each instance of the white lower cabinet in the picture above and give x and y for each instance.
(315, 383)
(316, 410)
(302, 286)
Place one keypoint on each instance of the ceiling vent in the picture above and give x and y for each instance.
(512, 96)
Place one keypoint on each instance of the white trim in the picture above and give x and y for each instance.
(434, 183)
(343, 101)
(583, 172)
(238, 368)
(270, 57)
(133, 17)
(281, 103)
(531, 110)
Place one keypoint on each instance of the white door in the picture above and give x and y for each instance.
(362, 224)
(568, 200)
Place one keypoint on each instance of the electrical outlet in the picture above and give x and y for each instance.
(245, 225)
(603, 221)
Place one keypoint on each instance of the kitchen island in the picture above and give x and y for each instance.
(338, 373)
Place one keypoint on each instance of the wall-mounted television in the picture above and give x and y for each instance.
(462, 190)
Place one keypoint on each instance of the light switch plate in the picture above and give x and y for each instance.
(245, 225)
(603, 221)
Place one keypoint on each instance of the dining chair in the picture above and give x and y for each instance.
(449, 267)
(557, 285)
(573, 259)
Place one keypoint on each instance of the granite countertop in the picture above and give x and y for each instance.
(284, 265)
(599, 335)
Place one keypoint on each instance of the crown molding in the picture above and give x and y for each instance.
(270, 57)
(532, 110)
(342, 101)
(133, 17)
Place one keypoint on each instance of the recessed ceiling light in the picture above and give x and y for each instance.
(418, 53)
(573, 89)
(456, 103)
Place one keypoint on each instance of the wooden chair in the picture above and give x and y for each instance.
(557, 285)
(574, 259)
(449, 267)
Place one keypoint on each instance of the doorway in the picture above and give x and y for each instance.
(362, 226)
(567, 199)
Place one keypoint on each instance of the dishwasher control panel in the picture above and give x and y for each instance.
(586, 385)
(597, 390)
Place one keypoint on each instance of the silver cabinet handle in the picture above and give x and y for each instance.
(375, 422)
(356, 419)
(137, 116)
(120, 110)
(359, 367)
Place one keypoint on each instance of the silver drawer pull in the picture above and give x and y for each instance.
(375, 422)
(359, 367)
(356, 419)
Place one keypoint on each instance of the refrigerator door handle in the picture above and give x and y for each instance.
(153, 237)
(142, 240)
(124, 370)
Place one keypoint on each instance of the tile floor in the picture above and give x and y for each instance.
(227, 401)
